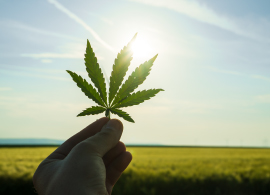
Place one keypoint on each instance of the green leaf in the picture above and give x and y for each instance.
(137, 98)
(92, 110)
(87, 88)
(136, 78)
(94, 72)
(122, 114)
(117, 98)
(120, 68)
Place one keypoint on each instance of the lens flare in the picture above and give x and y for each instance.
(141, 48)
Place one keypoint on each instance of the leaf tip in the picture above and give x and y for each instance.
(88, 44)
(153, 58)
(134, 37)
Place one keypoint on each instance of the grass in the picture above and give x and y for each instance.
(157, 170)
(201, 163)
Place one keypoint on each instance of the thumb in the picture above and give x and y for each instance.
(107, 138)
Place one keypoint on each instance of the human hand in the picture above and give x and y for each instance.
(90, 162)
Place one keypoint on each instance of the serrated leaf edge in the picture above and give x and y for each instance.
(134, 80)
(122, 114)
(132, 100)
(120, 67)
(98, 110)
(94, 72)
(92, 93)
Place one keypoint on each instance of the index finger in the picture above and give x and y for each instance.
(62, 151)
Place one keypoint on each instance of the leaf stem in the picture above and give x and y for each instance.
(107, 113)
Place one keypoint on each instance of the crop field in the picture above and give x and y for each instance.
(159, 170)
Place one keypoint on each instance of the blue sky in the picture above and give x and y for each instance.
(213, 63)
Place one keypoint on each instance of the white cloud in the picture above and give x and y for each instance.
(263, 98)
(47, 56)
(194, 10)
(224, 71)
(106, 20)
(81, 22)
(31, 105)
(26, 69)
(239, 74)
(261, 77)
(46, 61)
(200, 12)
(5, 89)
(54, 55)
(36, 73)
(67, 51)
(184, 106)
(19, 25)
(198, 107)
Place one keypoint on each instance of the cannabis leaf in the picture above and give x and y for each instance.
(117, 98)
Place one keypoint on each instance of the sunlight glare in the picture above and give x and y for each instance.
(141, 47)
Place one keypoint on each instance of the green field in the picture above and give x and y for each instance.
(158, 170)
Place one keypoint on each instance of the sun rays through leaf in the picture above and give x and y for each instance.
(117, 98)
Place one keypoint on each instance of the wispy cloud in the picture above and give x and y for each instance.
(19, 25)
(264, 78)
(106, 20)
(263, 98)
(224, 71)
(194, 10)
(45, 57)
(46, 61)
(202, 13)
(54, 55)
(5, 89)
(26, 74)
(32, 72)
(81, 22)
(67, 51)
(261, 77)
(187, 106)
(31, 104)
(12, 68)
(103, 19)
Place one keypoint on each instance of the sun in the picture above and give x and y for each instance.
(141, 47)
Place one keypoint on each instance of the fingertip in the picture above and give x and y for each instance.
(103, 119)
(115, 124)
(123, 161)
(122, 145)
(128, 156)
(117, 120)
(117, 167)
(107, 137)
(114, 153)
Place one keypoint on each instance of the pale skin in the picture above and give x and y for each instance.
(90, 162)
